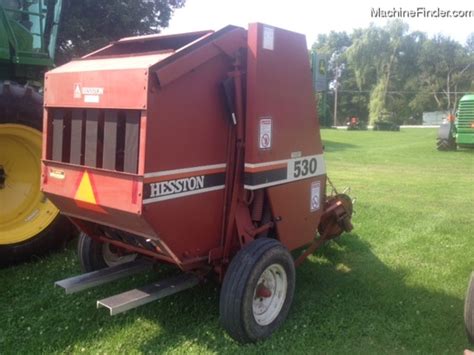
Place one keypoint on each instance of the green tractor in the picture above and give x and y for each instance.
(29, 223)
(458, 132)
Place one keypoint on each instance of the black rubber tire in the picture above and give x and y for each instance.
(24, 105)
(446, 144)
(235, 306)
(469, 310)
(53, 238)
(90, 254)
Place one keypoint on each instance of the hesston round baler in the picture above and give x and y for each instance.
(200, 150)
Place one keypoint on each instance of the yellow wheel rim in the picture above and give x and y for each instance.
(24, 210)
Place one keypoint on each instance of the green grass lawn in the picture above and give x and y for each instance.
(394, 285)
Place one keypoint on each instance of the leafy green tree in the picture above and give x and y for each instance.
(375, 56)
(328, 45)
(90, 24)
(470, 43)
(447, 69)
(391, 73)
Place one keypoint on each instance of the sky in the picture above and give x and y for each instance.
(313, 17)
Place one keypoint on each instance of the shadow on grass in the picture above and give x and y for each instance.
(464, 151)
(332, 146)
(346, 299)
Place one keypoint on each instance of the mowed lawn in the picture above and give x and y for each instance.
(395, 284)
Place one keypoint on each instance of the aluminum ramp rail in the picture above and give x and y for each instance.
(99, 277)
(143, 295)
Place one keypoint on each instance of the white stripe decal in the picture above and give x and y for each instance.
(183, 194)
(319, 157)
(268, 163)
(185, 170)
(274, 183)
(297, 169)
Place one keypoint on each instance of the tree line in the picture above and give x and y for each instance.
(87, 25)
(390, 73)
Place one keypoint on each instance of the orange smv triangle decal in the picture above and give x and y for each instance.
(85, 192)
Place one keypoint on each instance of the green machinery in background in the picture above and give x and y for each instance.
(29, 223)
(458, 131)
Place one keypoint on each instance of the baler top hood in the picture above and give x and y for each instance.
(110, 71)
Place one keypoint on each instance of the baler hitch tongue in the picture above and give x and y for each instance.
(335, 220)
(337, 216)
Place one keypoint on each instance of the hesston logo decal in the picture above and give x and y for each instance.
(90, 94)
(176, 186)
(178, 183)
(171, 184)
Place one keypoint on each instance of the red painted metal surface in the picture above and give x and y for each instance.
(143, 146)
(279, 85)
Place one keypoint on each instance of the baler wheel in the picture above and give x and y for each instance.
(94, 255)
(469, 310)
(29, 223)
(257, 291)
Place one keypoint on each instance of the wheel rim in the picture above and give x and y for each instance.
(112, 257)
(269, 294)
(25, 211)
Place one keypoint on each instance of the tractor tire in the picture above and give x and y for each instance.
(469, 310)
(446, 144)
(30, 225)
(257, 291)
(445, 140)
(94, 255)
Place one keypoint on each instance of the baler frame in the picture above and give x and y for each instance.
(256, 177)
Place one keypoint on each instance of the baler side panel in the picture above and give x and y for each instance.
(280, 103)
(279, 87)
(187, 133)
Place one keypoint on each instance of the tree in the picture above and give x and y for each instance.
(447, 69)
(375, 55)
(333, 46)
(470, 43)
(394, 74)
(90, 24)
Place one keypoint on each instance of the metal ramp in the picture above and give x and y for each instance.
(133, 298)
(143, 295)
(100, 277)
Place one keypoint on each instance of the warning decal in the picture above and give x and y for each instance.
(265, 133)
(84, 192)
(268, 38)
(315, 195)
